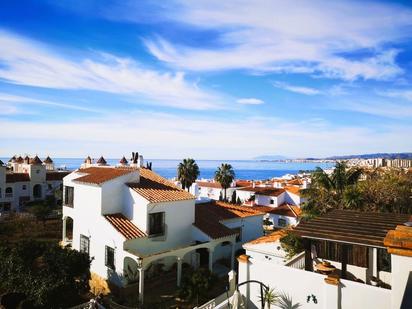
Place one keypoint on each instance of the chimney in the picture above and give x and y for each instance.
(140, 161)
(253, 184)
(134, 159)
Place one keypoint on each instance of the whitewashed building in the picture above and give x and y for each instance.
(27, 179)
(353, 276)
(128, 219)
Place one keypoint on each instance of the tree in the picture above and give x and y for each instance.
(225, 176)
(187, 173)
(40, 211)
(387, 191)
(196, 285)
(292, 244)
(49, 276)
(233, 200)
(335, 191)
(238, 201)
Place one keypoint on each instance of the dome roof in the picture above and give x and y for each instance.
(19, 160)
(48, 160)
(36, 160)
(101, 161)
(123, 160)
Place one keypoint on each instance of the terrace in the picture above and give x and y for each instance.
(350, 260)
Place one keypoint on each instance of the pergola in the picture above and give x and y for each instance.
(347, 228)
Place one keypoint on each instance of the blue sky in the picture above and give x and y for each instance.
(205, 79)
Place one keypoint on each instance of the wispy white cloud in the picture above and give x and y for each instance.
(13, 100)
(397, 93)
(27, 62)
(296, 89)
(250, 101)
(295, 138)
(282, 37)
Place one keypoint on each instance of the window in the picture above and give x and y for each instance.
(272, 202)
(23, 187)
(49, 186)
(37, 171)
(9, 192)
(281, 222)
(157, 224)
(109, 257)
(238, 230)
(68, 196)
(37, 191)
(84, 244)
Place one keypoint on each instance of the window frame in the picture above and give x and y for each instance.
(162, 224)
(283, 220)
(110, 250)
(68, 199)
(84, 239)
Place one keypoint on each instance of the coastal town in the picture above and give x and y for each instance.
(140, 230)
(205, 154)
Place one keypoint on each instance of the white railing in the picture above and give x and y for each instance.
(298, 261)
(220, 302)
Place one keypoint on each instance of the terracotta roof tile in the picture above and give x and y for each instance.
(157, 189)
(282, 210)
(124, 226)
(294, 190)
(208, 217)
(99, 175)
(56, 175)
(269, 191)
(273, 237)
(209, 184)
(17, 177)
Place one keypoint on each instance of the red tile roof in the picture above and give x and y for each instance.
(17, 177)
(50, 176)
(99, 175)
(155, 188)
(125, 226)
(296, 181)
(294, 190)
(273, 237)
(208, 217)
(270, 191)
(209, 184)
(282, 210)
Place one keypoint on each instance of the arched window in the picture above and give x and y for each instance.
(37, 191)
(9, 192)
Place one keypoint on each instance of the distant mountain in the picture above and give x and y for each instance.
(270, 158)
(401, 155)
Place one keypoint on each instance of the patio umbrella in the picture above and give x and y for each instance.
(237, 300)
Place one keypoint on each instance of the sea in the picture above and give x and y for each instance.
(244, 169)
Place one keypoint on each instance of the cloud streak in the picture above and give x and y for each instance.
(27, 62)
(278, 36)
(250, 101)
(296, 89)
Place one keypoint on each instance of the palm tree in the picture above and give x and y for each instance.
(337, 190)
(187, 172)
(225, 176)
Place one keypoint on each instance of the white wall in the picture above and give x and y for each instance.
(300, 284)
(293, 199)
(401, 273)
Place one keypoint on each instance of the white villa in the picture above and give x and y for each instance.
(27, 179)
(129, 219)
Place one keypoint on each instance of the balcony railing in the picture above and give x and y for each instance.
(298, 261)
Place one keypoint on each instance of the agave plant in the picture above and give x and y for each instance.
(269, 297)
(284, 301)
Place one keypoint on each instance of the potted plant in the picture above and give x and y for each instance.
(269, 297)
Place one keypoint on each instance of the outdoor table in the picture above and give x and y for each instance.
(325, 268)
